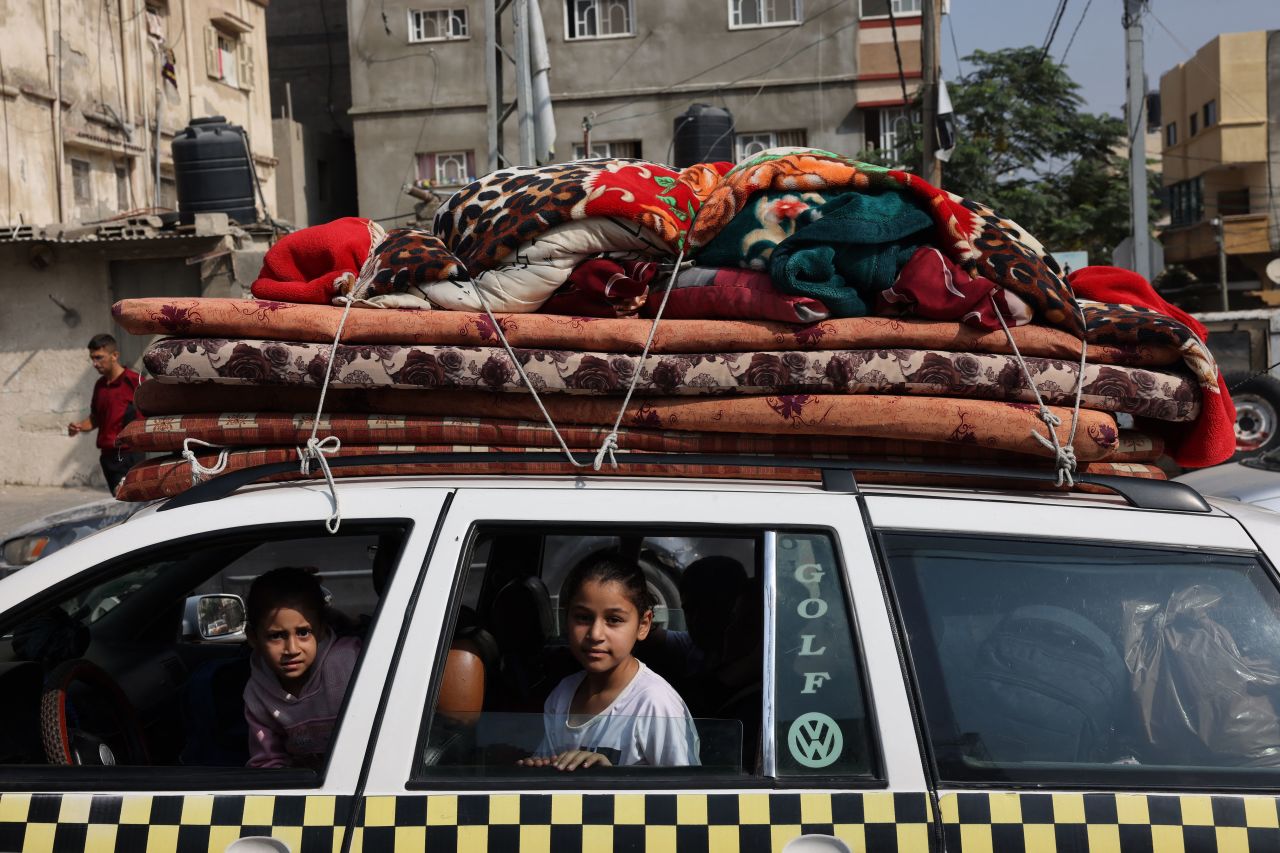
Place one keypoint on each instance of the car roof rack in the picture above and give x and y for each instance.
(837, 474)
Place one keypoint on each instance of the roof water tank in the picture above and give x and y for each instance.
(703, 134)
(213, 172)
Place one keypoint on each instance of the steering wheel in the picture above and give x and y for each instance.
(65, 742)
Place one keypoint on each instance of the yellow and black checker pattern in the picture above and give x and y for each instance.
(584, 823)
(43, 823)
(1109, 823)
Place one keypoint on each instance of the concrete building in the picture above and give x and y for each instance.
(310, 101)
(83, 88)
(91, 95)
(1221, 158)
(791, 73)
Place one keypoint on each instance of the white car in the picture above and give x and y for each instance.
(896, 668)
(1254, 480)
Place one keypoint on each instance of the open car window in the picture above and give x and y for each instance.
(1046, 662)
(143, 662)
(508, 672)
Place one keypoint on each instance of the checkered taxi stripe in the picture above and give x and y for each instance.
(542, 823)
(1102, 823)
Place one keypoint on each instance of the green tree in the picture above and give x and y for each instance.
(1027, 148)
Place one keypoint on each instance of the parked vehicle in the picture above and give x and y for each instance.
(1254, 480)
(908, 668)
(48, 534)
(1246, 345)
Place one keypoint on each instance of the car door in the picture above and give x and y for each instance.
(110, 612)
(1092, 678)
(815, 744)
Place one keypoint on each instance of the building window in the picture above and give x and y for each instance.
(82, 181)
(889, 128)
(608, 150)
(228, 58)
(764, 13)
(593, 19)
(437, 25)
(880, 8)
(1186, 202)
(122, 187)
(750, 144)
(1233, 202)
(447, 168)
(168, 193)
(1210, 114)
(1171, 134)
(1195, 124)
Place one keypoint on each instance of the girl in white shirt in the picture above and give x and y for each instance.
(616, 711)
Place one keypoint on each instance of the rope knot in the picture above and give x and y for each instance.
(607, 447)
(199, 471)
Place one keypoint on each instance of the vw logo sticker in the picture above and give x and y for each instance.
(815, 740)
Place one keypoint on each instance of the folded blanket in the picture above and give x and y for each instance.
(429, 367)
(259, 429)
(166, 477)
(1149, 318)
(999, 425)
(248, 318)
(933, 287)
(971, 234)
(314, 264)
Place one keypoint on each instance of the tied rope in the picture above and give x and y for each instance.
(199, 471)
(610, 442)
(1064, 457)
(316, 448)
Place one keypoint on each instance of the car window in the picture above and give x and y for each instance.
(146, 660)
(1050, 662)
(511, 676)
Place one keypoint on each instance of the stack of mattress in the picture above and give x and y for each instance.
(246, 375)
(836, 309)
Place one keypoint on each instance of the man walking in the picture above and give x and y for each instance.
(112, 398)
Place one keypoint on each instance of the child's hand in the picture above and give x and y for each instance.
(575, 758)
(534, 761)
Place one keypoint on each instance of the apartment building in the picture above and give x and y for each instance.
(91, 91)
(1221, 156)
(824, 74)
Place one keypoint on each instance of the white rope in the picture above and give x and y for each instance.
(610, 442)
(199, 471)
(315, 448)
(1064, 456)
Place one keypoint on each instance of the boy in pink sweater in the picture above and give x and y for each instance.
(298, 674)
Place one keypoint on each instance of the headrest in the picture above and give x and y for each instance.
(462, 685)
(521, 614)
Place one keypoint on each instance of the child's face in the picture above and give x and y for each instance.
(287, 641)
(604, 625)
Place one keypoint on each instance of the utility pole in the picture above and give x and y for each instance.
(524, 82)
(930, 24)
(1222, 261)
(497, 53)
(1135, 115)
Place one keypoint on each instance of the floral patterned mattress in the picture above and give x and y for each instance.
(1167, 395)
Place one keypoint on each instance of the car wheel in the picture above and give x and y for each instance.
(1257, 403)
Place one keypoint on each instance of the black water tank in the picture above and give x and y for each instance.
(703, 134)
(213, 172)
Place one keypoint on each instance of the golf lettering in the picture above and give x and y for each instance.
(814, 739)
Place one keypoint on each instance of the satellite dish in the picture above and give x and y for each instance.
(1273, 271)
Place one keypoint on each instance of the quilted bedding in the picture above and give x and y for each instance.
(256, 429)
(1164, 396)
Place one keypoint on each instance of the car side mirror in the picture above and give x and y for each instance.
(214, 618)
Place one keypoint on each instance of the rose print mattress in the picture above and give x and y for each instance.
(1161, 395)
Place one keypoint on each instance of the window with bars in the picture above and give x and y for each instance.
(447, 168)
(438, 25)
(764, 13)
(629, 148)
(750, 144)
(1187, 202)
(889, 128)
(592, 19)
(880, 8)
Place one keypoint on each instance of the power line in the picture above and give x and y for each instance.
(1072, 40)
(959, 62)
(1053, 29)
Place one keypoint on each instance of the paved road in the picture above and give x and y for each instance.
(20, 504)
